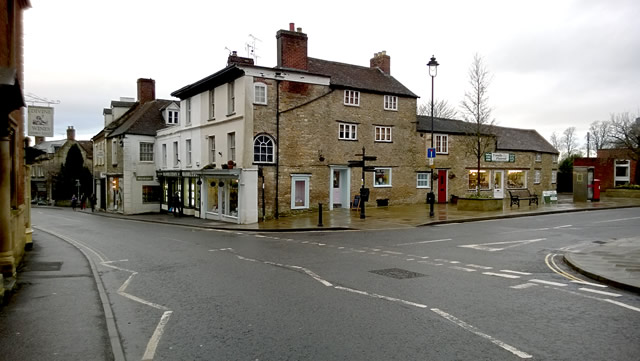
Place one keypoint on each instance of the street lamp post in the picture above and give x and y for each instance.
(433, 71)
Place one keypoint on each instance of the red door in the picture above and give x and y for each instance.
(442, 186)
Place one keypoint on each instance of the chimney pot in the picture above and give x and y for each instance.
(382, 61)
(291, 26)
(299, 30)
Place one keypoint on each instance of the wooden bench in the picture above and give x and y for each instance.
(522, 194)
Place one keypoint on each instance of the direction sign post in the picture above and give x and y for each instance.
(431, 152)
(361, 164)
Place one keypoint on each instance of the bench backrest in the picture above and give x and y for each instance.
(521, 193)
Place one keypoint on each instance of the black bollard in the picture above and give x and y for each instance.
(320, 215)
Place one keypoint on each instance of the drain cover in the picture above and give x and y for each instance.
(397, 273)
(599, 242)
(44, 266)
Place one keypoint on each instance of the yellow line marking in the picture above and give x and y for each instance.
(549, 260)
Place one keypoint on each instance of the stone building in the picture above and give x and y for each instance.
(280, 139)
(125, 172)
(520, 159)
(15, 216)
(47, 166)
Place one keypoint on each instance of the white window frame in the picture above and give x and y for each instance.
(146, 152)
(352, 98)
(624, 163)
(347, 131)
(212, 104)
(212, 149)
(188, 111)
(375, 185)
(176, 154)
(187, 146)
(256, 87)
(383, 134)
(554, 158)
(263, 149)
(441, 143)
(172, 116)
(537, 176)
(164, 156)
(114, 152)
(538, 157)
(426, 177)
(231, 98)
(300, 177)
(231, 145)
(390, 102)
(554, 176)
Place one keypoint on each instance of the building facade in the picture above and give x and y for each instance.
(613, 167)
(520, 159)
(257, 142)
(125, 170)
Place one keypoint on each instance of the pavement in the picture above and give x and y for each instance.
(58, 298)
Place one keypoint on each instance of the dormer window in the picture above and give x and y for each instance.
(172, 116)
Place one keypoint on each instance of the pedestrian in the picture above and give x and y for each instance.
(92, 200)
(74, 202)
(176, 205)
(83, 201)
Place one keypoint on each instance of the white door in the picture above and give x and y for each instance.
(498, 184)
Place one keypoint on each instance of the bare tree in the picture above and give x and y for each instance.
(625, 133)
(555, 141)
(569, 142)
(441, 109)
(477, 113)
(599, 134)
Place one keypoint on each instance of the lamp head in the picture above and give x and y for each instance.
(433, 66)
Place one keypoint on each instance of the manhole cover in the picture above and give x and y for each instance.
(397, 273)
(599, 242)
(44, 266)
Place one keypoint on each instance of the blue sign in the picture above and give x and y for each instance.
(431, 152)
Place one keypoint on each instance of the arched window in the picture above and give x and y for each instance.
(263, 149)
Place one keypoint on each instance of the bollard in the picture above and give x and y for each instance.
(320, 215)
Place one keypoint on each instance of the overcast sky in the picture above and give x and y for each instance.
(554, 64)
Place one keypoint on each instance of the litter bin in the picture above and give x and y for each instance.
(596, 190)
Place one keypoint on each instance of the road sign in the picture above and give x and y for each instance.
(430, 161)
(369, 168)
(356, 163)
(431, 152)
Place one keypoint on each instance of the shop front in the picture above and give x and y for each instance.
(220, 192)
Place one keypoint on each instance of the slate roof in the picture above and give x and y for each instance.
(358, 77)
(87, 145)
(145, 119)
(507, 138)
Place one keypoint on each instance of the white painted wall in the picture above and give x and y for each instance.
(134, 168)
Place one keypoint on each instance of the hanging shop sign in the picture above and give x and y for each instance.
(40, 121)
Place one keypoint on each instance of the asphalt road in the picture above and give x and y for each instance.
(493, 290)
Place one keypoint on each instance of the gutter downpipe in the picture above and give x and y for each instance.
(277, 210)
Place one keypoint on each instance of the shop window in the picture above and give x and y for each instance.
(516, 179)
(475, 180)
(382, 177)
(299, 191)
(151, 194)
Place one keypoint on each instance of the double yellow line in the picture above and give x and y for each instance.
(551, 263)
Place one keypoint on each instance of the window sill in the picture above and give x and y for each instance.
(393, 110)
(352, 140)
(260, 104)
(352, 105)
(231, 114)
(382, 186)
(383, 141)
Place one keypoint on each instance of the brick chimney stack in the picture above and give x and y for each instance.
(292, 48)
(71, 133)
(381, 60)
(146, 90)
(235, 59)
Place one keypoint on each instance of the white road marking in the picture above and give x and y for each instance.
(478, 266)
(589, 284)
(617, 220)
(477, 332)
(549, 283)
(454, 262)
(375, 295)
(516, 272)
(340, 247)
(423, 242)
(484, 246)
(524, 285)
(322, 244)
(430, 263)
(599, 292)
(565, 226)
(260, 236)
(149, 353)
(623, 305)
(500, 275)
(411, 259)
(462, 268)
(392, 252)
